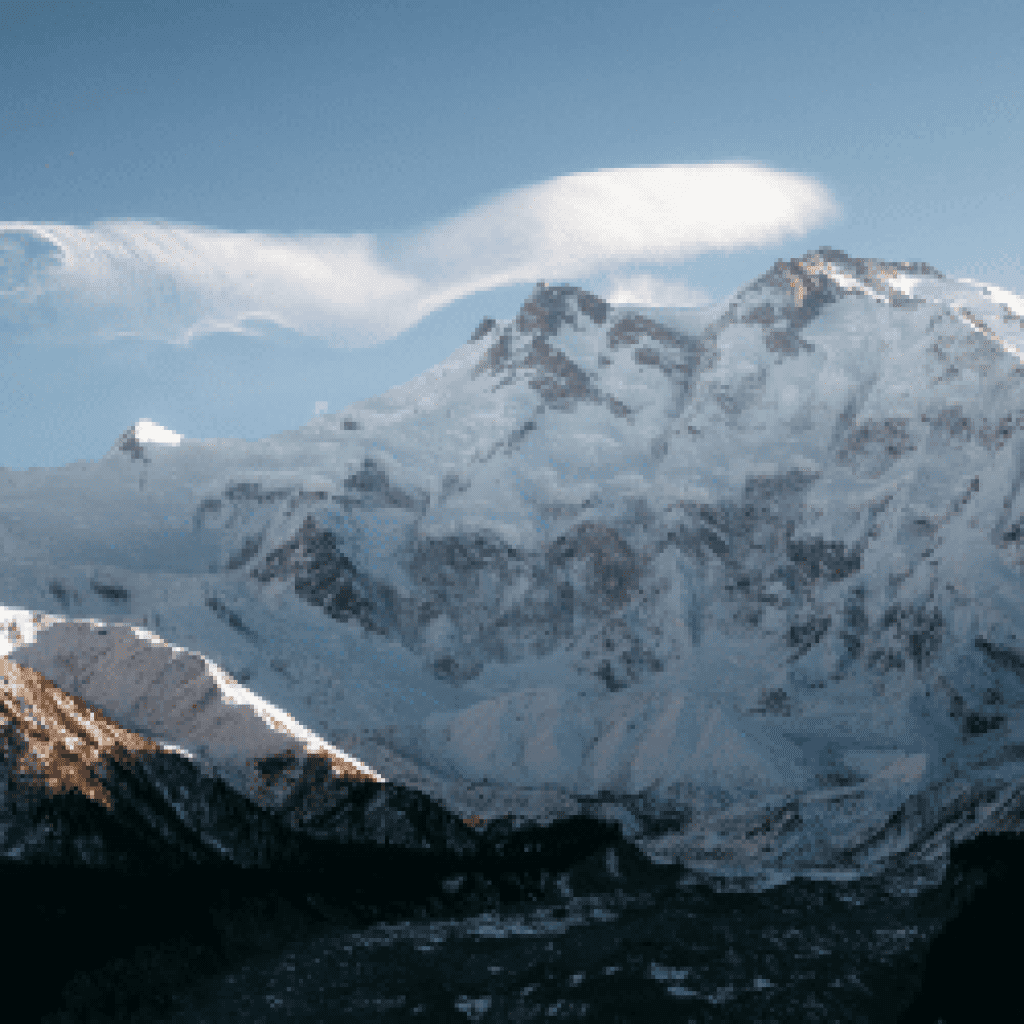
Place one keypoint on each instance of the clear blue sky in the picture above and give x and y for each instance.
(341, 173)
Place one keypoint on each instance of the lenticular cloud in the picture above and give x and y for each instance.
(170, 282)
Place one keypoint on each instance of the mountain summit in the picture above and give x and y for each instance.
(141, 433)
(745, 578)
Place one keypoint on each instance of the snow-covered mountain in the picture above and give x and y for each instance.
(141, 433)
(746, 578)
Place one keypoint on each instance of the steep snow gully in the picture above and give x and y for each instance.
(696, 613)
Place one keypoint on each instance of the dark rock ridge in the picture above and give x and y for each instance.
(971, 967)
(171, 873)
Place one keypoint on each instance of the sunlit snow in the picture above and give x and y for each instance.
(147, 430)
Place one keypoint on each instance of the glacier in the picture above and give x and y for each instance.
(743, 578)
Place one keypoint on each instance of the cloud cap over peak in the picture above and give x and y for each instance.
(171, 282)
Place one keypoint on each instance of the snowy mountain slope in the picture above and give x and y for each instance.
(757, 563)
(55, 744)
(179, 699)
(141, 796)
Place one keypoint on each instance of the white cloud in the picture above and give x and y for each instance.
(645, 290)
(171, 282)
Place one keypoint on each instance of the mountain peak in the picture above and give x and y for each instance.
(549, 306)
(822, 274)
(142, 432)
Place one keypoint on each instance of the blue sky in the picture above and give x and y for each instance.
(216, 216)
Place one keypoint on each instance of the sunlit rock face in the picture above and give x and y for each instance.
(122, 793)
(180, 697)
(134, 803)
(751, 569)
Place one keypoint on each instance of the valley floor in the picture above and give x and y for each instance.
(813, 952)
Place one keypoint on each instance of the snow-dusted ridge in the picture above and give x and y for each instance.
(144, 432)
(751, 570)
(182, 734)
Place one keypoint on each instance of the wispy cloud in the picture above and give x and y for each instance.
(170, 282)
(646, 290)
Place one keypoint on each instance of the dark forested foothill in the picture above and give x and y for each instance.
(971, 971)
(106, 944)
(116, 943)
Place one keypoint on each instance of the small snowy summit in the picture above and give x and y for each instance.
(142, 433)
(745, 578)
